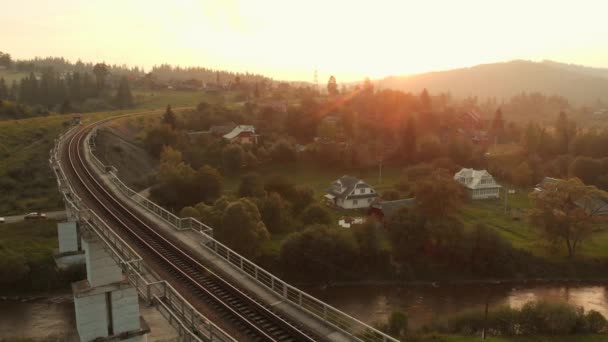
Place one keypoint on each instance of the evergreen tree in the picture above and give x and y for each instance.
(101, 72)
(332, 86)
(169, 117)
(408, 142)
(425, 100)
(75, 86)
(498, 125)
(124, 98)
(12, 95)
(3, 90)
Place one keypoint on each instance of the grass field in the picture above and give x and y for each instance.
(26, 180)
(10, 76)
(515, 228)
(319, 177)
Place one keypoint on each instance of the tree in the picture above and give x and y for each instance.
(425, 101)
(100, 70)
(158, 137)
(233, 158)
(523, 175)
(316, 214)
(3, 90)
(564, 210)
(319, 253)
(408, 235)
(438, 195)
(282, 151)
(242, 228)
(408, 140)
(397, 324)
(6, 60)
(498, 125)
(332, 86)
(275, 213)
(251, 186)
(169, 118)
(209, 183)
(565, 131)
(123, 98)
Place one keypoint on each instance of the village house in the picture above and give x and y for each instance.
(479, 183)
(350, 193)
(594, 205)
(242, 134)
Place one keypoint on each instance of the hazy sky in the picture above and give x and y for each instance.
(289, 39)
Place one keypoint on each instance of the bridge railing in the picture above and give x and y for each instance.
(331, 316)
(188, 322)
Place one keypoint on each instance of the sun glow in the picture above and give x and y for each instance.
(289, 39)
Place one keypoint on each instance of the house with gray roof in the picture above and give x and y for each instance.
(350, 193)
(384, 210)
(479, 183)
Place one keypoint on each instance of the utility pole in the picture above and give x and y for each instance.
(506, 194)
(380, 171)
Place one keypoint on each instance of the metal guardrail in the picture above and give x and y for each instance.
(188, 322)
(331, 316)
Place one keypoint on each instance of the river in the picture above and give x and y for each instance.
(424, 304)
(54, 317)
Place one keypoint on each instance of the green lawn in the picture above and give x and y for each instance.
(26, 180)
(515, 228)
(320, 177)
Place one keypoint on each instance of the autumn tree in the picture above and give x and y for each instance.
(564, 210)
(438, 195)
(251, 186)
(332, 86)
(275, 213)
(242, 228)
(208, 183)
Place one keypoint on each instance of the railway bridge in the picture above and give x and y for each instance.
(134, 249)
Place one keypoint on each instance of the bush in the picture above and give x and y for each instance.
(533, 318)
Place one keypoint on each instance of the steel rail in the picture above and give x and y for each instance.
(89, 181)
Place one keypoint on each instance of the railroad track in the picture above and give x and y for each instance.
(252, 318)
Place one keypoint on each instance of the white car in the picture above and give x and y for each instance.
(2, 220)
(35, 216)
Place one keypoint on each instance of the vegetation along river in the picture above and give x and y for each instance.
(425, 304)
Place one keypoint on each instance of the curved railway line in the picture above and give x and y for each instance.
(253, 319)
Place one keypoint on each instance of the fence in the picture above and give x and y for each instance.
(188, 322)
(331, 316)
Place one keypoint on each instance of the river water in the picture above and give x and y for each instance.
(424, 304)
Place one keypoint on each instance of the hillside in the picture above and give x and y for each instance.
(580, 85)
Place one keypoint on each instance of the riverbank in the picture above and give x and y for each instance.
(428, 304)
(50, 317)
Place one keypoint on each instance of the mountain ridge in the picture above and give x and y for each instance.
(581, 85)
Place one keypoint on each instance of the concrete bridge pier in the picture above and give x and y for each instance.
(106, 305)
(70, 251)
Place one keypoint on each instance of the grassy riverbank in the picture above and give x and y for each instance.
(26, 258)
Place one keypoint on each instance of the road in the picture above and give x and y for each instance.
(56, 215)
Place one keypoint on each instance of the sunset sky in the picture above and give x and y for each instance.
(289, 39)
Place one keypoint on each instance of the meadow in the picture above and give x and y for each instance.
(26, 180)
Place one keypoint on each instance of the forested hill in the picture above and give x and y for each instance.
(580, 85)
